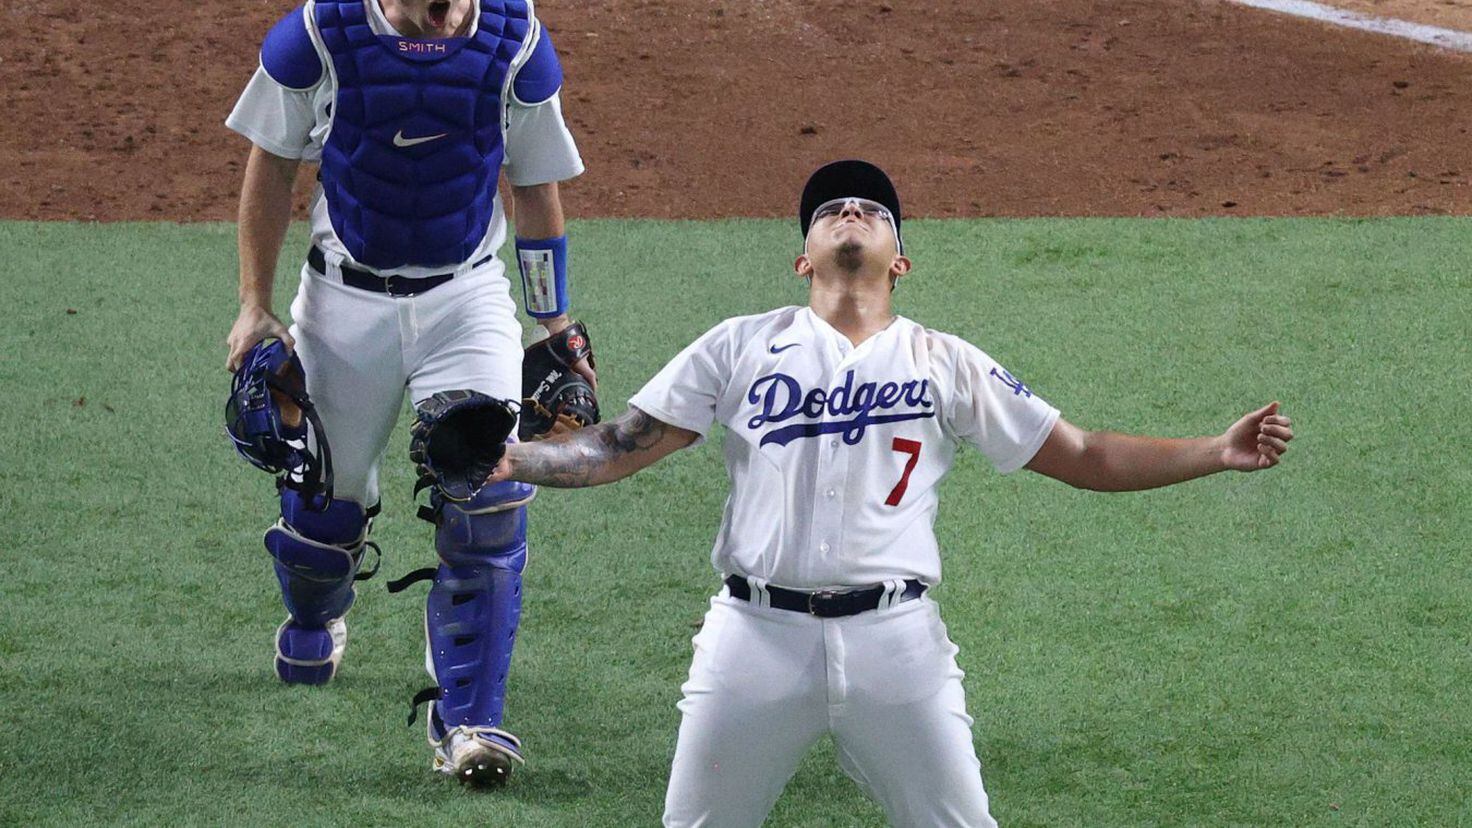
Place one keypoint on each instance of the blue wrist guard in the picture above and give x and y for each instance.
(543, 264)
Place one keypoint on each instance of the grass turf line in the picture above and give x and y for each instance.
(1282, 648)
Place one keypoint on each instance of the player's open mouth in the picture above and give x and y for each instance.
(439, 13)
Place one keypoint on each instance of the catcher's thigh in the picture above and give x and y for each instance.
(752, 708)
(349, 341)
(465, 335)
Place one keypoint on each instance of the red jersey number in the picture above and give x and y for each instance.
(912, 448)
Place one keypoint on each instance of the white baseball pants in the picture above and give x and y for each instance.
(361, 350)
(765, 684)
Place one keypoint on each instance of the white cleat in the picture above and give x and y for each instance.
(481, 757)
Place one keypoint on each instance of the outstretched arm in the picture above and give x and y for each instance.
(593, 455)
(1109, 462)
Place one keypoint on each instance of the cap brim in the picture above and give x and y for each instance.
(851, 178)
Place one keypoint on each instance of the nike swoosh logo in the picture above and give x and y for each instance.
(401, 141)
(777, 350)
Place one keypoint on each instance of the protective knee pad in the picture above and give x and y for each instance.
(475, 603)
(317, 556)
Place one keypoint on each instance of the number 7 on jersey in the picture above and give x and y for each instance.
(912, 448)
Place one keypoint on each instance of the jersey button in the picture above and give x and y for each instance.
(831, 492)
(832, 444)
(823, 547)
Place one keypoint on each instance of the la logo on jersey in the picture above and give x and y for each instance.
(782, 398)
(1017, 386)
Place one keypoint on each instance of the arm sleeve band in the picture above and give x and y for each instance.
(543, 264)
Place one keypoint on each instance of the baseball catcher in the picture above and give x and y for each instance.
(412, 111)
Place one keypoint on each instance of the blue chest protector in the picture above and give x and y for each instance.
(410, 166)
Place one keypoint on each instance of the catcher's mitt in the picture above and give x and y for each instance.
(555, 397)
(457, 440)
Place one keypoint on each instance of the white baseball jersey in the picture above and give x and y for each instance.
(293, 123)
(835, 451)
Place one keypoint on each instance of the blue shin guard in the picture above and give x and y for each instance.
(473, 610)
(318, 555)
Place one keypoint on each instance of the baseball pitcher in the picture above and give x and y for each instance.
(841, 419)
(411, 109)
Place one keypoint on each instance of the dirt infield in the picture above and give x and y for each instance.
(700, 108)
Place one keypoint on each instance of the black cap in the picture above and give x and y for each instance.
(847, 179)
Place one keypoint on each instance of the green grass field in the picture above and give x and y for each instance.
(1287, 648)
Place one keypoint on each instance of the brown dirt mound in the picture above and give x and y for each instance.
(694, 108)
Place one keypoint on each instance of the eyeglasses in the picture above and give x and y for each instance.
(866, 209)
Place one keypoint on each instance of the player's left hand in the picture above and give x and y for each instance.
(1258, 440)
(582, 367)
(555, 396)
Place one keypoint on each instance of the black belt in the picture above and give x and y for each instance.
(392, 285)
(825, 603)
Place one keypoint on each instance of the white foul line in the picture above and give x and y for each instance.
(1434, 35)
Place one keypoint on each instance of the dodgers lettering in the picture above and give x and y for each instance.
(782, 398)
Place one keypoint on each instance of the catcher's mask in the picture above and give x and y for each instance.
(274, 425)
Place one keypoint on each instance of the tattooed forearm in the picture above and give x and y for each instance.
(635, 431)
(597, 454)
